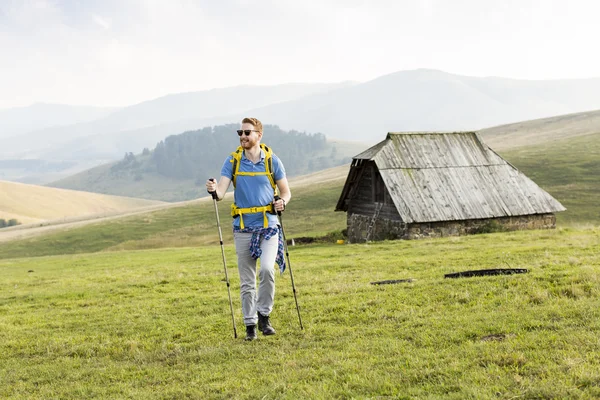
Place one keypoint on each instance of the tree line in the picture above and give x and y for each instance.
(6, 223)
(199, 154)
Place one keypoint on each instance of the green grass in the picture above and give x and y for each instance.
(569, 170)
(137, 307)
(155, 324)
(193, 225)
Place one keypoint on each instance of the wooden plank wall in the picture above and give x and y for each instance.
(362, 201)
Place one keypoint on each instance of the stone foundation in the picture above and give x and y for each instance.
(385, 229)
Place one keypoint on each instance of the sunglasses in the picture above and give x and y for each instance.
(247, 132)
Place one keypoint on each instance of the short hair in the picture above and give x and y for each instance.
(254, 121)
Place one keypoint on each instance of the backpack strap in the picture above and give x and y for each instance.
(235, 211)
(236, 158)
(269, 166)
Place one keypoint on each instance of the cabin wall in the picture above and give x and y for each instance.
(381, 229)
(371, 196)
(360, 227)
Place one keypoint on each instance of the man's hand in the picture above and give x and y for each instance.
(279, 204)
(211, 185)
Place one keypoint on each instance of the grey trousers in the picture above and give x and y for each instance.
(251, 301)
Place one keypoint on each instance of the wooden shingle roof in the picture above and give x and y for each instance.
(451, 176)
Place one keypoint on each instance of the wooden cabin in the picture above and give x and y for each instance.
(427, 184)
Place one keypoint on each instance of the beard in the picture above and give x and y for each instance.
(248, 142)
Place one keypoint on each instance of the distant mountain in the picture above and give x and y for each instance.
(16, 121)
(422, 100)
(166, 115)
(363, 112)
(403, 101)
(22, 170)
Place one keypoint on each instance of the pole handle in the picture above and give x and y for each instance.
(277, 198)
(213, 194)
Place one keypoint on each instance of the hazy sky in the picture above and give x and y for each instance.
(119, 52)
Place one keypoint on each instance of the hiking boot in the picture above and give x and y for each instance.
(264, 325)
(251, 332)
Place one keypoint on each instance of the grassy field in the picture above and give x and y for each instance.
(22, 201)
(137, 307)
(155, 324)
(541, 131)
(192, 225)
(569, 170)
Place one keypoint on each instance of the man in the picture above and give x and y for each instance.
(255, 172)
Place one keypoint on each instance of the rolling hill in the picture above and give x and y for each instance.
(403, 101)
(568, 167)
(132, 128)
(363, 112)
(176, 169)
(541, 131)
(422, 100)
(182, 217)
(19, 120)
(94, 142)
(103, 179)
(562, 155)
(30, 203)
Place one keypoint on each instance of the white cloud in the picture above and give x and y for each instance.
(101, 21)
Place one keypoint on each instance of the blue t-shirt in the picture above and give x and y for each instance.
(253, 191)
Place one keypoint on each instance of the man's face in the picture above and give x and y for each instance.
(251, 140)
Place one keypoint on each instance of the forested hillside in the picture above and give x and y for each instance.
(178, 166)
(196, 153)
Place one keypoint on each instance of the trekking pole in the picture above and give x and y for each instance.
(214, 196)
(287, 256)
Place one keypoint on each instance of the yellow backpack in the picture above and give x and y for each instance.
(236, 158)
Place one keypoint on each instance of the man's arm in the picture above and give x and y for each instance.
(220, 188)
(284, 193)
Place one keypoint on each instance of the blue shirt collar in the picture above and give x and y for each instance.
(262, 155)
